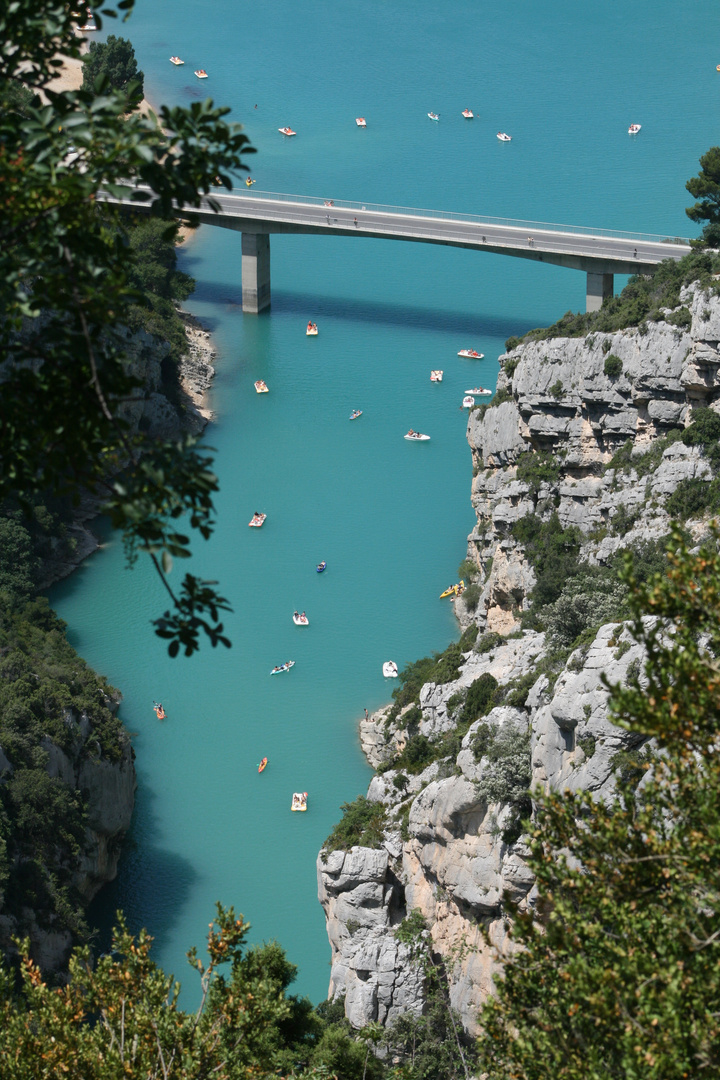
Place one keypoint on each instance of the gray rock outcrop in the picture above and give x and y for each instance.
(602, 453)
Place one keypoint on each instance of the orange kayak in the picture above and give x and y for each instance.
(262, 764)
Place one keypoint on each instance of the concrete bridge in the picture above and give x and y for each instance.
(599, 253)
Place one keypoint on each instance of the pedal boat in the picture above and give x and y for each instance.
(467, 114)
(479, 391)
(634, 128)
(311, 329)
(433, 116)
(471, 354)
(287, 131)
(261, 387)
(360, 121)
(436, 376)
(257, 520)
(177, 61)
(503, 137)
(390, 669)
(301, 620)
(416, 436)
(299, 800)
(201, 73)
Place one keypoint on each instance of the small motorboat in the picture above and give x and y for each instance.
(88, 27)
(634, 128)
(390, 669)
(283, 667)
(177, 61)
(287, 131)
(436, 376)
(311, 329)
(320, 567)
(299, 801)
(503, 137)
(257, 520)
(360, 121)
(471, 354)
(261, 387)
(201, 73)
(454, 590)
(415, 436)
(301, 620)
(158, 710)
(468, 402)
(249, 182)
(468, 114)
(433, 116)
(355, 413)
(262, 764)
(479, 391)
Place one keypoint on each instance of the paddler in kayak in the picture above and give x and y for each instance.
(159, 711)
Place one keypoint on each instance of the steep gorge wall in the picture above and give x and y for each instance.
(595, 452)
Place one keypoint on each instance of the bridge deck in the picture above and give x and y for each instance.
(599, 251)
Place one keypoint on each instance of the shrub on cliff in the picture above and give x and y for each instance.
(361, 825)
(618, 970)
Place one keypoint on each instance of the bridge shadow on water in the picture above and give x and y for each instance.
(439, 320)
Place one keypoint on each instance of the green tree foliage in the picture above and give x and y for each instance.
(552, 551)
(362, 824)
(156, 277)
(121, 1018)
(619, 972)
(68, 286)
(113, 63)
(613, 366)
(705, 187)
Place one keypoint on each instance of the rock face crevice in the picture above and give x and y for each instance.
(549, 449)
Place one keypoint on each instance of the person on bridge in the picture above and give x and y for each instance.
(355, 220)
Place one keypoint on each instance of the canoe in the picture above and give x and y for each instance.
(257, 521)
(454, 590)
(390, 669)
(283, 667)
(299, 800)
(262, 764)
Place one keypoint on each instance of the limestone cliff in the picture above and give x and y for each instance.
(585, 447)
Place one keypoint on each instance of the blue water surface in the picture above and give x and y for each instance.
(391, 518)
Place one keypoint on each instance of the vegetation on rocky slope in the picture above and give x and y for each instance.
(643, 300)
(621, 976)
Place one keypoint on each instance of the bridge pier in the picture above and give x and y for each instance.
(599, 286)
(255, 272)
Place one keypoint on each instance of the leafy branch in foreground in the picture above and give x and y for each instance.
(618, 973)
(69, 285)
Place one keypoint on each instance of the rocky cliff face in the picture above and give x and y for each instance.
(575, 444)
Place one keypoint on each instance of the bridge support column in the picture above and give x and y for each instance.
(598, 287)
(255, 272)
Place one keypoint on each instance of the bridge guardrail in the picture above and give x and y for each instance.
(449, 215)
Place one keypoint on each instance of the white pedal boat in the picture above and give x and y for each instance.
(503, 137)
(360, 121)
(301, 620)
(311, 329)
(479, 391)
(287, 131)
(436, 376)
(299, 800)
(261, 387)
(390, 669)
(468, 402)
(467, 114)
(176, 60)
(471, 354)
(415, 436)
(257, 520)
(433, 116)
(634, 128)
(201, 73)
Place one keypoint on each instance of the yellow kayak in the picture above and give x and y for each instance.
(454, 590)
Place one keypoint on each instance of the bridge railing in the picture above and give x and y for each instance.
(449, 215)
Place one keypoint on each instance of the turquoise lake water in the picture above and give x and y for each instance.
(391, 518)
